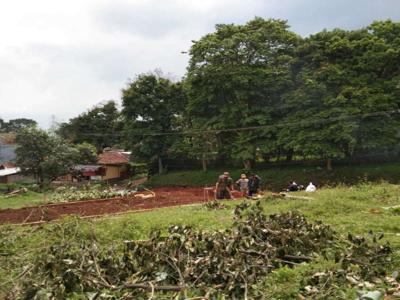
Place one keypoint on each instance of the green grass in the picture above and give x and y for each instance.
(356, 209)
(274, 179)
(27, 199)
(277, 179)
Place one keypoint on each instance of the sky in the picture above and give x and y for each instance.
(59, 58)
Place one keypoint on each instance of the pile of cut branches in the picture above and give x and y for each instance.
(214, 205)
(189, 262)
(68, 194)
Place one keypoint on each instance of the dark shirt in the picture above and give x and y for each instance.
(293, 187)
(254, 183)
(224, 183)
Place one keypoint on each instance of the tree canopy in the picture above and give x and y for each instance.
(100, 126)
(152, 104)
(257, 92)
(14, 125)
(47, 156)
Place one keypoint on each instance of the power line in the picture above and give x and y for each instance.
(250, 128)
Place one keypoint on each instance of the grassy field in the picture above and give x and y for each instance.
(357, 209)
(277, 179)
(274, 179)
(27, 199)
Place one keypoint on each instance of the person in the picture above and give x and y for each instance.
(311, 188)
(293, 187)
(224, 186)
(254, 184)
(243, 184)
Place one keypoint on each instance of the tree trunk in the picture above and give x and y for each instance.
(204, 163)
(278, 157)
(266, 157)
(329, 164)
(41, 182)
(248, 164)
(160, 165)
(289, 155)
(347, 151)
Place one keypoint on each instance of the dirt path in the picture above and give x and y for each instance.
(164, 197)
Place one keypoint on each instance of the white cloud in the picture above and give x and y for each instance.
(62, 57)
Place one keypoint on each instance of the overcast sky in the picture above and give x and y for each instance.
(59, 58)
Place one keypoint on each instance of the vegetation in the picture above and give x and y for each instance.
(259, 92)
(276, 179)
(100, 126)
(15, 125)
(357, 210)
(66, 194)
(273, 179)
(31, 195)
(151, 104)
(87, 153)
(30, 198)
(46, 157)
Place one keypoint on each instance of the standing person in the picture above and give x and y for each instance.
(224, 186)
(243, 184)
(254, 184)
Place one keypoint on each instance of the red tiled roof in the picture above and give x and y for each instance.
(7, 165)
(112, 158)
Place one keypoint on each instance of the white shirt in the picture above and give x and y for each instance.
(311, 188)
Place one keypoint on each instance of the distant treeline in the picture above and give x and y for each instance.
(15, 125)
(260, 92)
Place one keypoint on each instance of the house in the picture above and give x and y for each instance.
(112, 164)
(7, 165)
(9, 173)
(90, 172)
(83, 172)
(115, 163)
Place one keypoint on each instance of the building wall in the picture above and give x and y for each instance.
(112, 172)
(11, 178)
(67, 177)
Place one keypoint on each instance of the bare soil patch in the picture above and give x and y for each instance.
(164, 197)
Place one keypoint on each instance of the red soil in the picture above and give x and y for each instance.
(170, 196)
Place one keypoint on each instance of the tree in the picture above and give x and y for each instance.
(100, 126)
(15, 125)
(44, 156)
(235, 79)
(2, 125)
(86, 153)
(151, 105)
(345, 98)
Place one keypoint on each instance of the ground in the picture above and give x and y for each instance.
(163, 197)
(357, 209)
(273, 179)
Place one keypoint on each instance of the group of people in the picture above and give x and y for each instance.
(294, 187)
(247, 186)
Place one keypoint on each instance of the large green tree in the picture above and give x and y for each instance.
(346, 93)
(151, 107)
(47, 156)
(235, 79)
(100, 126)
(86, 153)
(15, 125)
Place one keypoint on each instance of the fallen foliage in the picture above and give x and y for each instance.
(188, 262)
(67, 194)
(214, 205)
